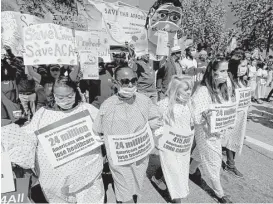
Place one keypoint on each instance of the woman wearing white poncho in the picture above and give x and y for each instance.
(176, 110)
(79, 180)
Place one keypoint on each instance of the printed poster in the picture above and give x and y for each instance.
(162, 48)
(7, 183)
(12, 27)
(243, 97)
(223, 117)
(176, 140)
(49, 44)
(89, 64)
(130, 148)
(68, 138)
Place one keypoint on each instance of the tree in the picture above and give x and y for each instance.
(204, 21)
(255, 23)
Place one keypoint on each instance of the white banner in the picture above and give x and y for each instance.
(176, 140)
(68, 138)
(127, 149)
(7, 182)
(162, 48)
(89, 64)
(243, 97)
(12, 26)
(223, 117)
(49, 44)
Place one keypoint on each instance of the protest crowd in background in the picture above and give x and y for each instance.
(66, 125)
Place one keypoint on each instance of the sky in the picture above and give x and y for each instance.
(146, 4)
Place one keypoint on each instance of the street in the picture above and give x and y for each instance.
(255, 162)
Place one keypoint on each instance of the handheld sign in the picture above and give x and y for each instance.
(7, 183)
(176, 140)
(243, 97)
(49, 44)
(89, 64)
(162, 43)
(223, 117)
(127, 149)
(68, 138)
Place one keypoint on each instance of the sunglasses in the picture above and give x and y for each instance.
(55, 70)
(126, 82)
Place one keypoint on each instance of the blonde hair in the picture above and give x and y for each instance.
(176, 83)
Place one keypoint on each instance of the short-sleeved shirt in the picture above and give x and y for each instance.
(146, 76)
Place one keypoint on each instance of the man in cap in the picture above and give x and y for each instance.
(189, 63)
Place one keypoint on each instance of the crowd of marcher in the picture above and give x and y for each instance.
(133, 94)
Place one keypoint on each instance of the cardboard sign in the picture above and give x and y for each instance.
(176, 140)
(223, 117)
(7, 184)
(68, 138)
(49, 44)
(20, 195)
(127, 149)
(162, 43)
(12, 27)
(243, 97)
(89, 64)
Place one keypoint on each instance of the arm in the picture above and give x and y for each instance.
(155, 118)
(74, 73)
(37, 77)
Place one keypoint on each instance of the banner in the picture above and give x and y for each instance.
(68, 138)
(89, 64)
(49, 44)
(127, 149)
(122, 22)
(20, 195)
(162, 43)
(94, 40)
(223, 116)
(176, 140)
(12, 27)
(7, 184)
(243, 97)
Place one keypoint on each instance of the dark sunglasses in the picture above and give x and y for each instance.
(128, 81)
(55, 70)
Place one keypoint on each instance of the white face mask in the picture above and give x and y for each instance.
(127, 92)
(242, 71)
(168, 26)
(66, 103)
(221, 79)
(183, 98)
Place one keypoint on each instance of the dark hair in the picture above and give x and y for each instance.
(236, 58)
(157, 4)
(11, 71)
(209, 81)
(65, 81)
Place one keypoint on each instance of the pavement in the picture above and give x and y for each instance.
(255, 162)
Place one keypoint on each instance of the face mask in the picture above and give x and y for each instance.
(221, 79)
(242, 71)
(193, 53)
(67, 104)
(168, 26)
(183, 98)
(127, 92)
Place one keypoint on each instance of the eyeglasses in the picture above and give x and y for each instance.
(173, 16)
(126, 82)
(55, 70)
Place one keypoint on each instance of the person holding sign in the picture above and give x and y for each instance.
(125, 121)
(65, 152)
(208, 151)
(234, 138)
(176, 136)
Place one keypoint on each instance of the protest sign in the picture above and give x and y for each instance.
(97, 40)
(12, 29)
(7, 184)
(49, 44)
(89, 64)
(122, 21)
(70, 21)
(243, 97)
(162, 43)
(223, 116)
(127, 149)
(68, 138)
(20, 195)
(140, 42)
(176, 140)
